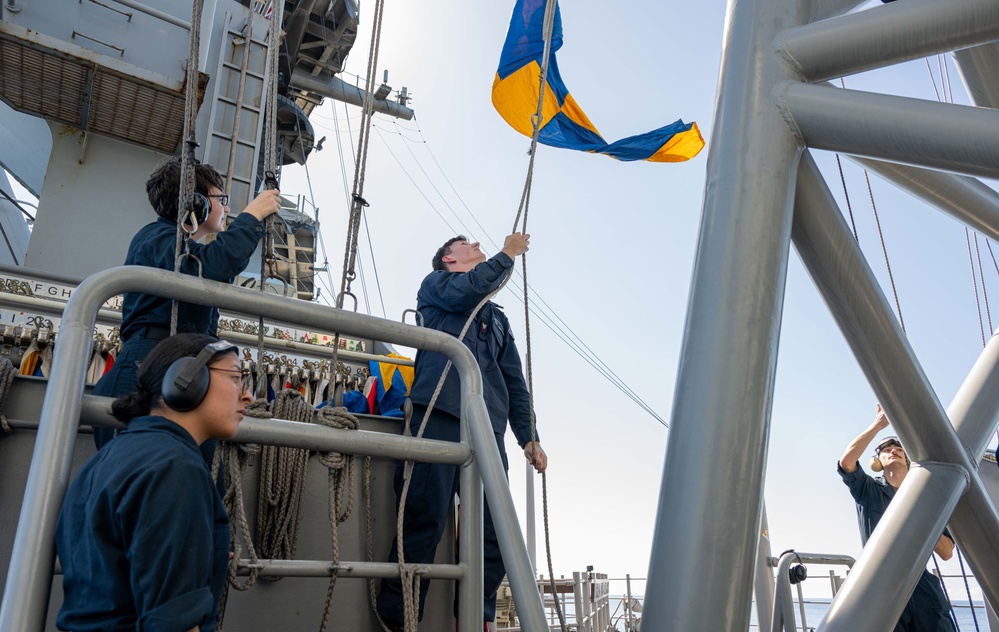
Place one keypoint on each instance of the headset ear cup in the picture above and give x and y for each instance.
(181, 399)
(797, 573)
(199, 206)
(876, 464)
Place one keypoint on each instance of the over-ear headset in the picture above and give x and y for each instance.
(199, 207)
(185, 383)
(797, 573)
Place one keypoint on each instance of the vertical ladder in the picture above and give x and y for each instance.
(225, 82)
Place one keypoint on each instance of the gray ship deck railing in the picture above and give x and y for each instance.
(112, 318)
(29, 576)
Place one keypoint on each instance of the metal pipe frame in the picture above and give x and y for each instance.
(886, 35)
(898, 129)
(968, 200)
(847, 284)
(577, 593)
(96, 411)
(725, 382)
(293, 434)
(898, 548)
(979, 69)
(156, 13)
(974, 411)
(501, 509)
(763, 586)
(836, 264)
(783, 617)
(29, 575)
(367, 570)
(471, 587)
(111, 317)
(724, 388)
(331, 86)
(823, 9)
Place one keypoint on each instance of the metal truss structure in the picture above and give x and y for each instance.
(764, 192)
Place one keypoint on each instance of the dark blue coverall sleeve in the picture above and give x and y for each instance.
(520, 398)
(860, 484)
(228, 254)
(461, 292)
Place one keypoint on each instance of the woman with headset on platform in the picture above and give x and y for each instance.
(143, 537)
(145, 317)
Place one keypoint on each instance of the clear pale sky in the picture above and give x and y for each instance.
(611, 252)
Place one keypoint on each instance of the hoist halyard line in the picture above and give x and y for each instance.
(185, 197)
(535, 294)
(564, 332)
(606, 372)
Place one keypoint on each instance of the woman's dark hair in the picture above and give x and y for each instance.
(154, 367)
(163, 186)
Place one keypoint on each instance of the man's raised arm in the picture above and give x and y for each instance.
(848, 462)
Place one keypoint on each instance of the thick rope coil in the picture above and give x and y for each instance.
(7, 373)
(235, 456)
(341, 485)
(283, 473)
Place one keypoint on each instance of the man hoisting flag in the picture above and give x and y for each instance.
(563, 124)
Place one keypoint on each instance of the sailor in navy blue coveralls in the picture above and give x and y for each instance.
(146, 317)
(927, 609)
(149, 493)
(142, 535)
(446, 299)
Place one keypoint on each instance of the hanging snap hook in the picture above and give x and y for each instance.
(343, 294)
(188, 255)
(417, 315)
(270, 180)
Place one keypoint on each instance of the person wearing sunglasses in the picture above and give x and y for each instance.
(143, 537)
(146, 317)
(927, 609)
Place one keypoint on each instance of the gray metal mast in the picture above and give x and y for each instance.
(766, 114)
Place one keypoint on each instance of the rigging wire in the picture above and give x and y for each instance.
(374, 264)
(599, 365)
(884, 249)
(535, 294)
(842, 179)
(974, 280)
(981, 274)
(362, 217)
(898, 307)
(564, 332)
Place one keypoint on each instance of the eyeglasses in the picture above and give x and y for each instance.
(223, 198)
(242, 378)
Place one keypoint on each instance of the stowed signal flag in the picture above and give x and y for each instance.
(563, 124)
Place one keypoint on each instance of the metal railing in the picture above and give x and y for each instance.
(29, 576)
(112, 318)
(783, 611)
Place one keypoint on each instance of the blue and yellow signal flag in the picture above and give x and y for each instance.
(563, 123)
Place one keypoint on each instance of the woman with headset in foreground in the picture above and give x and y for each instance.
(143, 537)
